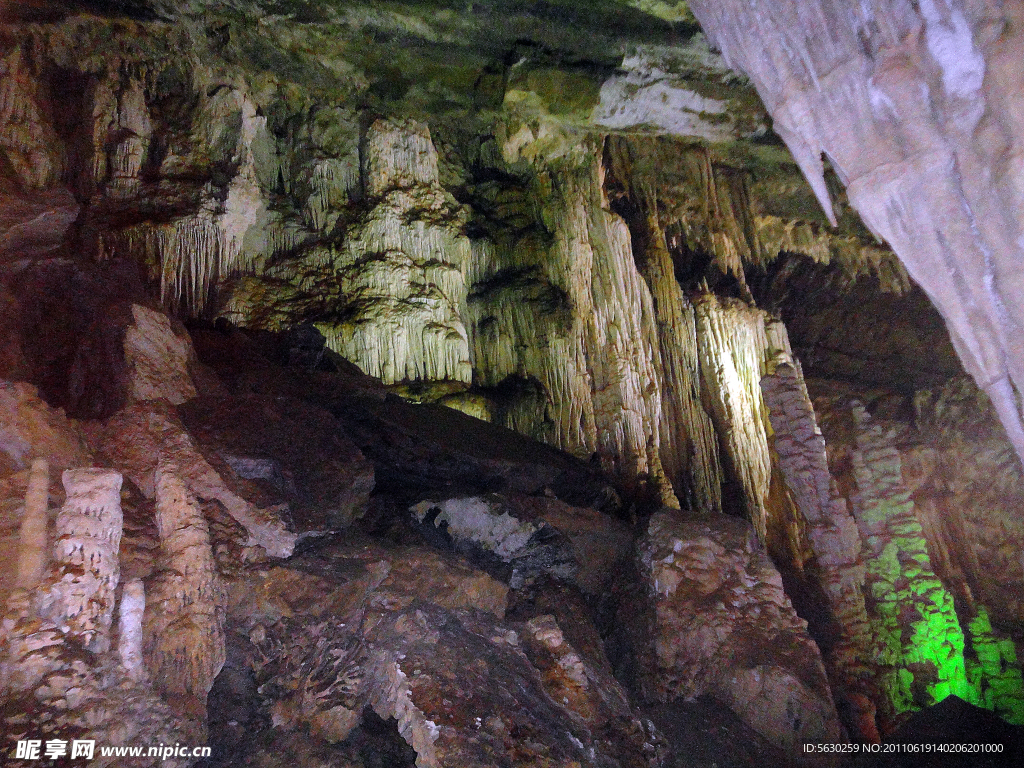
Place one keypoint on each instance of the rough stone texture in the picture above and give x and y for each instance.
(80, 597)
(129, 629)
(966, 485)
(294, 451)
(32, 539)
(30, 429)
(733, 349)
(57, 675)
(524, 549)
(520, 539)
(185, 624)
(900, 578)
(835, 562)
(158, 359)
(917, 108)
(720, 624)
(410, 446)
(933, 631)
(453, 675)
(139, 437)
(585, 332)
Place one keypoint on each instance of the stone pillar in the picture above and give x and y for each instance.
(129, 646)
(32, 558)
(80, 594)
(187, 649)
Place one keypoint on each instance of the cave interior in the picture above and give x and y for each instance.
(619, 383)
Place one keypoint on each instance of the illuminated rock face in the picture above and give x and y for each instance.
(185, 622)
(571, 324)
(720, 624)
(86, 557)
(917, 107)
(837, 563)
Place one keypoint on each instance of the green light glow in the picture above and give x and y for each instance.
(918, 634)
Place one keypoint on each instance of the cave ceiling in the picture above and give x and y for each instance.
(564, 71)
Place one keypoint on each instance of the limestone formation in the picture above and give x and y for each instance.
(31, 428)
(158, 359)
(344, 627)
(733, 351)
(129, 629)
(33, 541)
(719, 623)
(185, 624)
(915, 107)
(573, 221)
(138, 436)
(79, 597)
(835, 544)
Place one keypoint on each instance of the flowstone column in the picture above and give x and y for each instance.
(919, 643)
(32, 557)
(834, 540)
(185, 650)
(80, 594)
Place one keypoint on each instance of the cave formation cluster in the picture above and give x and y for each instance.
(507, 384)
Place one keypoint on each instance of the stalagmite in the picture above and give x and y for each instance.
(835, 541)
(918, 640)
(129, 627)
(184, 620)
(80, 595)
(32, 554)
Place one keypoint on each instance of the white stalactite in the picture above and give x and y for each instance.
(733, 348)
(918, 107)
(575, 316)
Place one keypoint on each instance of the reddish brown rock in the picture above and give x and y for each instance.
(290, 449)
(720, 624)
(137, 438)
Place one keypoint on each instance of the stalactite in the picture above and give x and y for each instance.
(331, 182)
(909, 101)
(184, 623)
(689, 444)
(32, 539)
(79, 595)
(733, 346)
(574, 316)
(398, 277)
(27, 139)
(122, 130)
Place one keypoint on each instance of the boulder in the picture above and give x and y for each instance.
(716, 621)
